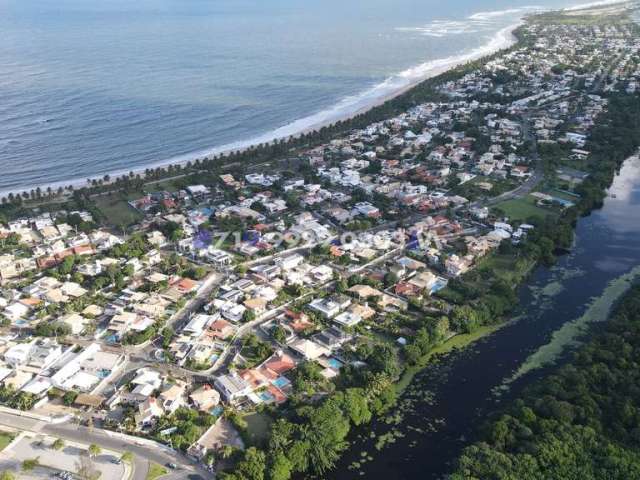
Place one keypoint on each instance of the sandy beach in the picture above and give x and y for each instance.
(345, 109)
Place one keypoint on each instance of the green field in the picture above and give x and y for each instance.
(116, 210)
(520, 209)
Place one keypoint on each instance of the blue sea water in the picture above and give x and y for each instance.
(89, 87)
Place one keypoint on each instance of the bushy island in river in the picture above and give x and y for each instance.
(583, 421)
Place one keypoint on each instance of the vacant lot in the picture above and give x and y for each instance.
(116, 210)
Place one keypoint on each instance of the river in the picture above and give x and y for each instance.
(441, 411)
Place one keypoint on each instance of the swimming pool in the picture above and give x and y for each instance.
(281, 382)
(216, 411)
(439, 285)
(267, 397)
(335, 363)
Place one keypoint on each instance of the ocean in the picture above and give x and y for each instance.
(94, 87)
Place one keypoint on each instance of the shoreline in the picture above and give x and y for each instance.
(345, 109)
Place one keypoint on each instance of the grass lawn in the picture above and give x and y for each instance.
(116, 210)
(523, 208)
(258, 427)
(155, 471)
(5, 439)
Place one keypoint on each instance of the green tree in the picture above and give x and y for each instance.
(253, 464)
(94, 450)
(58, 444)
(30, 463)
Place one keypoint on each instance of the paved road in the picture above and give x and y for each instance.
(143, 451)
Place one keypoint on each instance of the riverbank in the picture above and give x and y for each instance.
(459, 341)
(588, 405)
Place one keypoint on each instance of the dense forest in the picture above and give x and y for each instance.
(582, 422)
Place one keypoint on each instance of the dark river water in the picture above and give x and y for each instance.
(448, 402)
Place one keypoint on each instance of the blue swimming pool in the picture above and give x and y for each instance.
(439, 285)
(281, 382)
(335, 363)
(216, 411)
(267, 397)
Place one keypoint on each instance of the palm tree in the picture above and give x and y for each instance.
(94, 450)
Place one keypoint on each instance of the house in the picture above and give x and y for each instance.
(76, 322)
(329, 307)
(289, 262)
(18, 354)
(298, 321)
(391, 303)
(456, 266)
(205, 398)
(331, 339)
(232, 311)
(156, 238)
(308, 349)
(424, 280)
(232, 387)
(256, 305)
(172, 398)
(322, 273)
(365, 312)
(347, 319)
(197, 324)
(84, 370)
(39, 353)
(145, 383)
(148, 411)
(366, 210)
(199, 191)
(221, 329)
(364, 291)
(16, 311)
